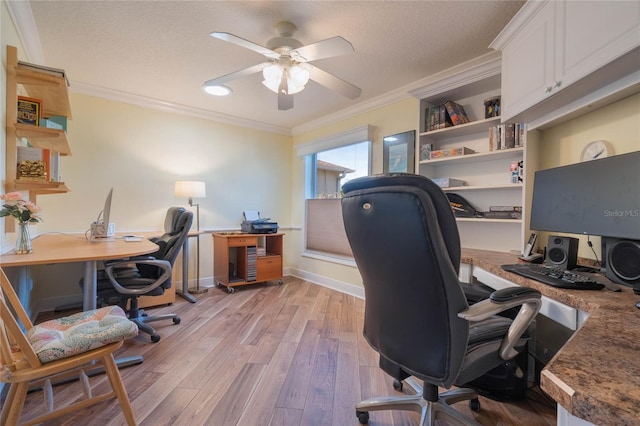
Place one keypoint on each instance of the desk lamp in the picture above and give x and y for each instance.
(193, 189)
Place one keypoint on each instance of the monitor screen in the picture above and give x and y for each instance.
(100, 228)
(598, 197)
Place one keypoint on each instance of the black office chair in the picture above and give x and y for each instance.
(405, 242)
(128, 279)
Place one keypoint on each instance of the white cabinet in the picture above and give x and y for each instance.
(549, 46)
(486, 172)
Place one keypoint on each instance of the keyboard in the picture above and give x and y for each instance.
(555, 277)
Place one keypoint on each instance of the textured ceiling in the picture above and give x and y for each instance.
(162, 49)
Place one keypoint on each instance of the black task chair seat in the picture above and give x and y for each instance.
(126, 280)
(405, 241)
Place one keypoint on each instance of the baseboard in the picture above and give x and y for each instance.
(350, 289)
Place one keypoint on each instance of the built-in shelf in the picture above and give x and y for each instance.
(477, 126)
(517, 186)
(45, 138)
(480, 156)
(483, 220)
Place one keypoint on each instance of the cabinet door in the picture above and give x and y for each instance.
(527, 64)
(590, 34)
(269, 268)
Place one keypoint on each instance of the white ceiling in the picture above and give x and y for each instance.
(162, 51)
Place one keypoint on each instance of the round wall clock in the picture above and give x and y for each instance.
(596, 149)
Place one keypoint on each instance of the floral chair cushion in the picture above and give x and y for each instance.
(79, 333)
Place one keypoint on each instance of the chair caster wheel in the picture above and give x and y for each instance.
(474, 405)
(155, 338)
(397, 385)
(363, 417)
(176, 320)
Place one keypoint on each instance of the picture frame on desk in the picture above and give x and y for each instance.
(398, 153)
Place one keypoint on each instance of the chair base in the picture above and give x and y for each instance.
(429, 410)
(142, 321)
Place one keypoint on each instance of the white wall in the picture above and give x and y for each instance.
(619, 123)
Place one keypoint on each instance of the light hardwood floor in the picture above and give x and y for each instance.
(269, 354)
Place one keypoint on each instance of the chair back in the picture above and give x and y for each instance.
(15, 350)
(177, 225)
(405, 242)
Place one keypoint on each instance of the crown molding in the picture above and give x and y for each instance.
(22, 17)
(143, 101)
(360, 108)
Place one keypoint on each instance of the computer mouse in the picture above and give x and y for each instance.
(638, 305)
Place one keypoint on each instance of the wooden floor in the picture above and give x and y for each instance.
(269, 354)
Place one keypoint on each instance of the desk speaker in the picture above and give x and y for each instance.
(562, 252)
(621, 259)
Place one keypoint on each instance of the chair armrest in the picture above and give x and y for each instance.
(127, 260)
(163, 265)
(501, 300)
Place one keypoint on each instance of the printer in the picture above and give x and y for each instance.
(254, 224)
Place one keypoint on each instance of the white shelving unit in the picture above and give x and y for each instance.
(486, 173)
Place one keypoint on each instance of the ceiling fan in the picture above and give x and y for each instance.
(288, 69)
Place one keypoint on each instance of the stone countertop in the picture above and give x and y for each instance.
(596, 374)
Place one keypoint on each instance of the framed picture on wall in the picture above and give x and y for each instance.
(398, 154)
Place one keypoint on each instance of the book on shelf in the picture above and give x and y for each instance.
(505, 208)
(506, 136)
(509, 135)
(29, 110)
(502, 215)
(456, 113)
(44, 69)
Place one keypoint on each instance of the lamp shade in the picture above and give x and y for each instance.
(190, 189)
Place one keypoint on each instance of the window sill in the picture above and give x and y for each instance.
(328, 257)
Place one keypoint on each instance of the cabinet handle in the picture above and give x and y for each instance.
(549, 89)
(558, 84)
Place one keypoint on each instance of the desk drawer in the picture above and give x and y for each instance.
(242, 241)
(269, 268)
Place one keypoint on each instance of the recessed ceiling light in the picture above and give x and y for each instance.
(218, 90)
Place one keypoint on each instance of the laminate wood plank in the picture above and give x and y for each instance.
(318, 407)
(290, 355)
(346, 395)
(295, 387)
(263, 401)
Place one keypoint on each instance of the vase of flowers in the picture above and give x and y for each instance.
(25, 212)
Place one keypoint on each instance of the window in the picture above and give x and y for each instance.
(329, 164)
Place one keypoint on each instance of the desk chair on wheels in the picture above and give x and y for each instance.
(128, 279)
(405, 242)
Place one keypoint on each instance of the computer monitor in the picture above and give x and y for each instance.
(598, 197)
(100, 228)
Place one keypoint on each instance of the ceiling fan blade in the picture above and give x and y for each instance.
(334, 83)
(246, 44)
(285, 101)
(237, 74)
(328, 48)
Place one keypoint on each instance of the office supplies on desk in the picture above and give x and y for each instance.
(556, 277)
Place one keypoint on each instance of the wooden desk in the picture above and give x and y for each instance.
(596, 375)
(63, 248)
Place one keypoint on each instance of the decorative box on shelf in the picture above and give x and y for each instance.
(451, 152)
(446, 182)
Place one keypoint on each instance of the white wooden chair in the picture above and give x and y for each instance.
(57, 349)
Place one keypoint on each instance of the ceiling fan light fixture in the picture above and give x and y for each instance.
(272, 76)
(297, 77)
(218, 90)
